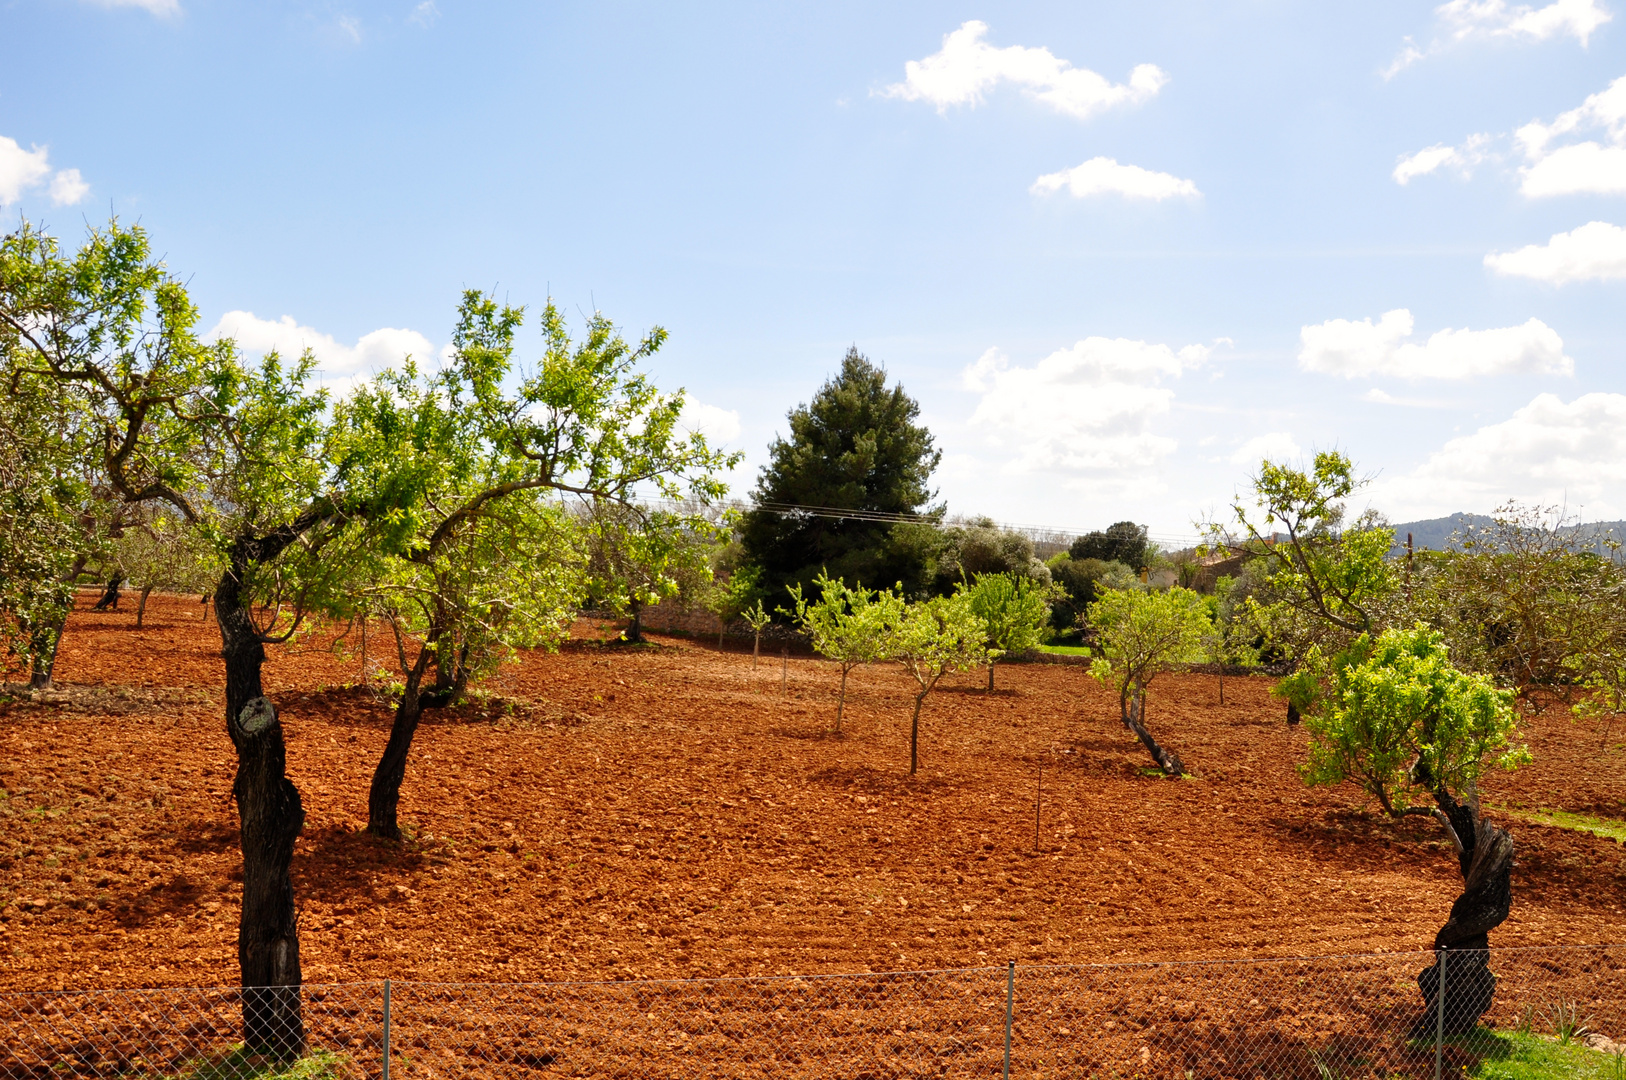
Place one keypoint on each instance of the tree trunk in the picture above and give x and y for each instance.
(635, 629)
(841, 700)
(1292, 713)
(43, 643)
(914, 735)
(269, 810)
(110, 595)
(205, 603)
(141, 608)
(1134, 720)
(1463, 944)
(756, 648)
(385, 794)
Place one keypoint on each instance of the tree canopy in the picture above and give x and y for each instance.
(856, 446)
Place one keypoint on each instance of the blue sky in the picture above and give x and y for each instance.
(1117, 251)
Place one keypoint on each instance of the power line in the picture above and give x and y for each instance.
(838, 513)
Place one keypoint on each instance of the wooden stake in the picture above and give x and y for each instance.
(784, 670)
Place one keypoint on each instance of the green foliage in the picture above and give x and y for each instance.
(1141, 633)
(1081, 581)
(1393, 716)
(1014, 608)
(851, 626)
(1124, 542)
(855, 446)
(1326, 582)
(931, 639)
(978, 547)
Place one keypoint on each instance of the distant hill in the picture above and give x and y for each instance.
(1435, 533)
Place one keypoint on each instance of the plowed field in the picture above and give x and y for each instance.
(667, 810)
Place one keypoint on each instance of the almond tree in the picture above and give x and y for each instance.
(1016, 609)
(852, 626)
(467, 461)
(1140, 634)
(932, 639)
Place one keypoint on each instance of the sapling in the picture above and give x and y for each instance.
(1016, 610)
(933, 638)
(757, 618)
(847, 625)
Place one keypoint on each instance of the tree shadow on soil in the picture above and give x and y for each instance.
(868, 781)
(1358, 839)
(337, 863)
(178, 896)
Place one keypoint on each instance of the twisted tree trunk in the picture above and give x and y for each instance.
(110, 595)
(1134, 710)
(1485, 855)
(141, 608)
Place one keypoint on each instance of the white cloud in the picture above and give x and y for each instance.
(161, 8)
(1460, 159)
(967, 67)
(20, 169)
(350, 27)
(1104, 176)
(1552, 165)
(720, 426)
(1462, 20)
(1379, 397)
(68, 187)
(1549, 452)
(1595, 251)
(1497, 18)
(1272, 446)
(424, 14)
(1086, 409)
(342, 365)
(1361, 349)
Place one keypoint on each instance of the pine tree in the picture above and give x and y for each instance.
(855, 446)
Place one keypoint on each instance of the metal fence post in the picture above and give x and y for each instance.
(1439, 1017)
(386, 1029)
(1010, 998)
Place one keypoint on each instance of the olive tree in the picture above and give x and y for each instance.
(931, 639)
(852, 626)
(1141, 633)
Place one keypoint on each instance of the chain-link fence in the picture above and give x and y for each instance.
(1330, 1018)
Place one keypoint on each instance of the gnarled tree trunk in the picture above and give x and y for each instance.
(1134, 711)
(43, 643)
(1485, 855)
(635, 629)
(271, 815)
(141, 608)
(269, 809)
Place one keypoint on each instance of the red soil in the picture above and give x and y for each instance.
(666, 811)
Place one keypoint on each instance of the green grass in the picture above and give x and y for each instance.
(1065, 650)
(1563, 819)
(238, 1064)
(1520, 1056)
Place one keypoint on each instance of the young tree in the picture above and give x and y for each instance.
(729, 600)
(1141, 634)
(933, 638)
(1392, 715)
(847, 625)
(757, 618)
(638, 558)
(1015, 609)
(855, 448)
